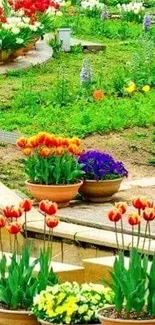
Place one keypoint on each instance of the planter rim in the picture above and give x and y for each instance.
(103, 181)
(10, 311)
(122, 321)
(55, 186)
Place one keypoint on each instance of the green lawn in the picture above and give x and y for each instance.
(31, 100)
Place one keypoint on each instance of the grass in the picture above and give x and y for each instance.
(30, 100)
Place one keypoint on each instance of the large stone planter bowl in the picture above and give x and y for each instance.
(111, 321)
(61, 194)
(100, 191)
(13, 317)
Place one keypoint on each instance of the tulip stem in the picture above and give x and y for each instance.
(122, 234)
(116, 233)
(44, 231)
(10, 243)
(49, 237)
(1, 241)
(132, 236)
(149, 227)
(25, 225)
(51, 243)
(139, 230)
(145, 237)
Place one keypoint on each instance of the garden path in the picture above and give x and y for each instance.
(81, 222)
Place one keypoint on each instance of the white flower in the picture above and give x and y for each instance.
(26, 20)
(33, 28)
(15, 30)
(19, 40)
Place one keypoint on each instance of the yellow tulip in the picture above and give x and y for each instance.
(146, 88)
(130, 89)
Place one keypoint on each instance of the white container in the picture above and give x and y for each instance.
(64, 36)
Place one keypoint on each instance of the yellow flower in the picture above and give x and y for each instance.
(82, 309)
(131, 84)
(146, 88)
(130, 89)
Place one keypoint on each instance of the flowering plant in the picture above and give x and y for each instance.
(134, 285)
(101, 166)
(133, 11)
(71, 303)
(51, 159)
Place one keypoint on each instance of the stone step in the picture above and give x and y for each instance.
(97, 269)
(87, 45)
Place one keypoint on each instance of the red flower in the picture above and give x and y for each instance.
(13, 212)
(115, 214)
(48, 207)
(21, 142)
(141, 202)
(26, 205)
(2, 222)
(134, 219)
(121, 206)
(149, 214)
(14, 228)
(52, 221)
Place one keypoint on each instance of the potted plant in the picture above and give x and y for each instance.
(52, 166)
(19, 279)
(103, 175)
(133, 284)
(71, 303)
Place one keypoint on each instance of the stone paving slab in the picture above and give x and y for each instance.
(41, 54)
(87, 45)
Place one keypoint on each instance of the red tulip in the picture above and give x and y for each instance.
(141, 202)
(149, 214)
(26, 205)
(48, 207)
(115, 214)
(121, 206)
(14, 228)
(13, 212)
(134, 219)
(52, 221)
(2, 221)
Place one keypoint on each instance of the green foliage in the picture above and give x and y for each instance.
(130, 285)
(54, 170)
(18, 282)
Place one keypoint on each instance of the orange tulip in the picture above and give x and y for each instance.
(59, 151)
(21, 142)
(149, 214)
(27, 151)
(32, 142)
(50, 140)
(26, 205)
(114, 214)
(121, 206)
(14, 228)
(141, 202)
(2, 221)
(75, 141)
(48, 207)
(74, 149)
(134, 219)
(52, 221)
(98, 94)
(41, 137)
(13, 212)
(45, 152)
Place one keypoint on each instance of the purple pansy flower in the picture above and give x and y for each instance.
(100, 166)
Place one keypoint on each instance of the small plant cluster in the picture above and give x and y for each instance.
(71, 303)
(51, 159)
(101, 166)
(18, 280)
(134, 286)
(133, 11)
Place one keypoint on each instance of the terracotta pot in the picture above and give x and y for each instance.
(13, 317)
(111, 321)
(61, 194)
(5, 55)
(100, 191)
(30, 45)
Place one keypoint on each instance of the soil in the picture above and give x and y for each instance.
(112, 314)
(134, 147)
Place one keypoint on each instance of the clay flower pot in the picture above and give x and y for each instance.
(15, 317)
(110, 321)
(100, 191)
(61, 194)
